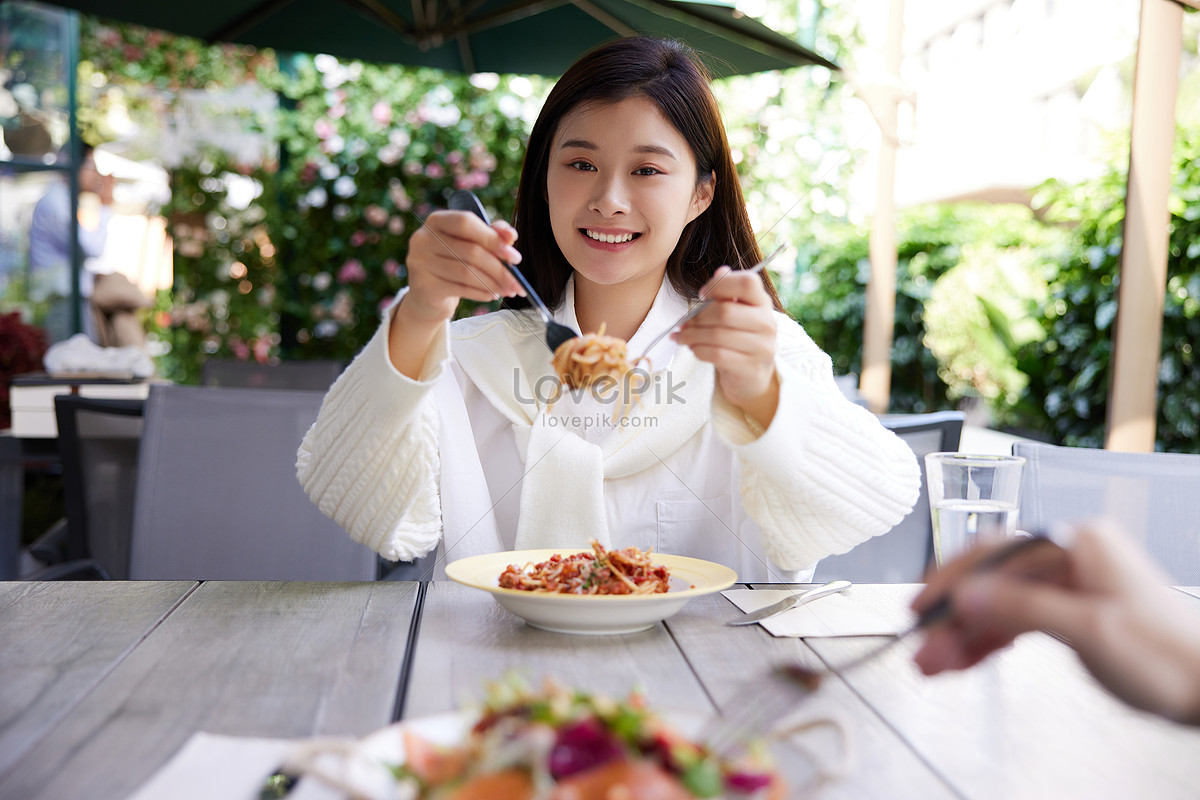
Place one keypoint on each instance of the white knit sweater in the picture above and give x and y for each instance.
(403, 465)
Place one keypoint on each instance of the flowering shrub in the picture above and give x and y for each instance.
(371, 150)
(303, 268)
(21, 349)
(225, 300)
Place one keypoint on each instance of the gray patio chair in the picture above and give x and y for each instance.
(217, 495)
(902, 554)
(312, 374)
(98, 449)
(98, 441)
(1155, 497)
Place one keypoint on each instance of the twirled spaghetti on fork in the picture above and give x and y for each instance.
(582, 362)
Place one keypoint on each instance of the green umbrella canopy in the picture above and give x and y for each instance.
(519, 36)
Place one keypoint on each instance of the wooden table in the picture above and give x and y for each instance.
(101, 682)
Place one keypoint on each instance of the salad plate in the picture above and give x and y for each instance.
(591, 614)
(552, 743)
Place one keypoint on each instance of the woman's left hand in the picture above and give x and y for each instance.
(736, 334)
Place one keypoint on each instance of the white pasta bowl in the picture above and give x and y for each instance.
(591, 614)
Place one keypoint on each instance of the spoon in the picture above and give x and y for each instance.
(705, 303)
(556, 334)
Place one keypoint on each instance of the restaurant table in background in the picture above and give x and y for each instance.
(103, 682)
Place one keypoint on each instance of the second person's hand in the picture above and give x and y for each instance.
(1110, 603)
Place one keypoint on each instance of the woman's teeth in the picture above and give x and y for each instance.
(609, 238)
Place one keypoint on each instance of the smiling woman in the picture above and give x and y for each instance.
(741, 449)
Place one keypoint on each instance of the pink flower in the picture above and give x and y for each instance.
(376, 215)
(396, 225)
(481, 159)
(323, 128)
(358, 239)
(338, 111)
(352, 272)
(391, 268)
(385, 303)
(472, 180)
(381, 112)
(434, 170)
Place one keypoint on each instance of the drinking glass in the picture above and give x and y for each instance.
(971, 497)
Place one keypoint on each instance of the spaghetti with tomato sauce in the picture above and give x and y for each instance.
(625, 571)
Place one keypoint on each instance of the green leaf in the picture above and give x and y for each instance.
(703, 778)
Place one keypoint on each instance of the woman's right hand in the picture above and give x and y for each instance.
(455, 255)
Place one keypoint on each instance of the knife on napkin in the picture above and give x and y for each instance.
(787, 603)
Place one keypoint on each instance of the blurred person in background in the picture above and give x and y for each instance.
(109, 299)
(50, 246)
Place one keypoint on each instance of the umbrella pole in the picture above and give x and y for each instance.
(1137, 338)
(878, 327)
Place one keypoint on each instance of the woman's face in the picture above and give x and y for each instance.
(621, 186)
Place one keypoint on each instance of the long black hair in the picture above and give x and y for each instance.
(673, 78)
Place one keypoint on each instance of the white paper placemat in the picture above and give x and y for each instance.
(835, 615)
(210, 766)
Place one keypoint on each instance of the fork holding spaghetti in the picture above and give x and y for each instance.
(600, 364)
(585, 361)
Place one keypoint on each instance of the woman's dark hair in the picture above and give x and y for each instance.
(671, 76)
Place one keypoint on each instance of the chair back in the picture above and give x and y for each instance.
(316, 375)
(904, 553)
(217, 494)
(98, 442)
(1155, 497)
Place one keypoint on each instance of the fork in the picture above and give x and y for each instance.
(760, 700)
(556, 334)
(703, 304)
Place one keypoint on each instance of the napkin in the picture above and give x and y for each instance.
(212, 766)
(835, 615)
(79, 354)
(209, 766)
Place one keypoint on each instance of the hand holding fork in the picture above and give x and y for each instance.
(761, 700)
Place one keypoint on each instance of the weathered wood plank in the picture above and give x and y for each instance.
(59, 640)
(882, 764)
(467, 639)
(1029, 722)
(244, 658)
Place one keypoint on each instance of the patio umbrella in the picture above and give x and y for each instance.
(522, 36)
